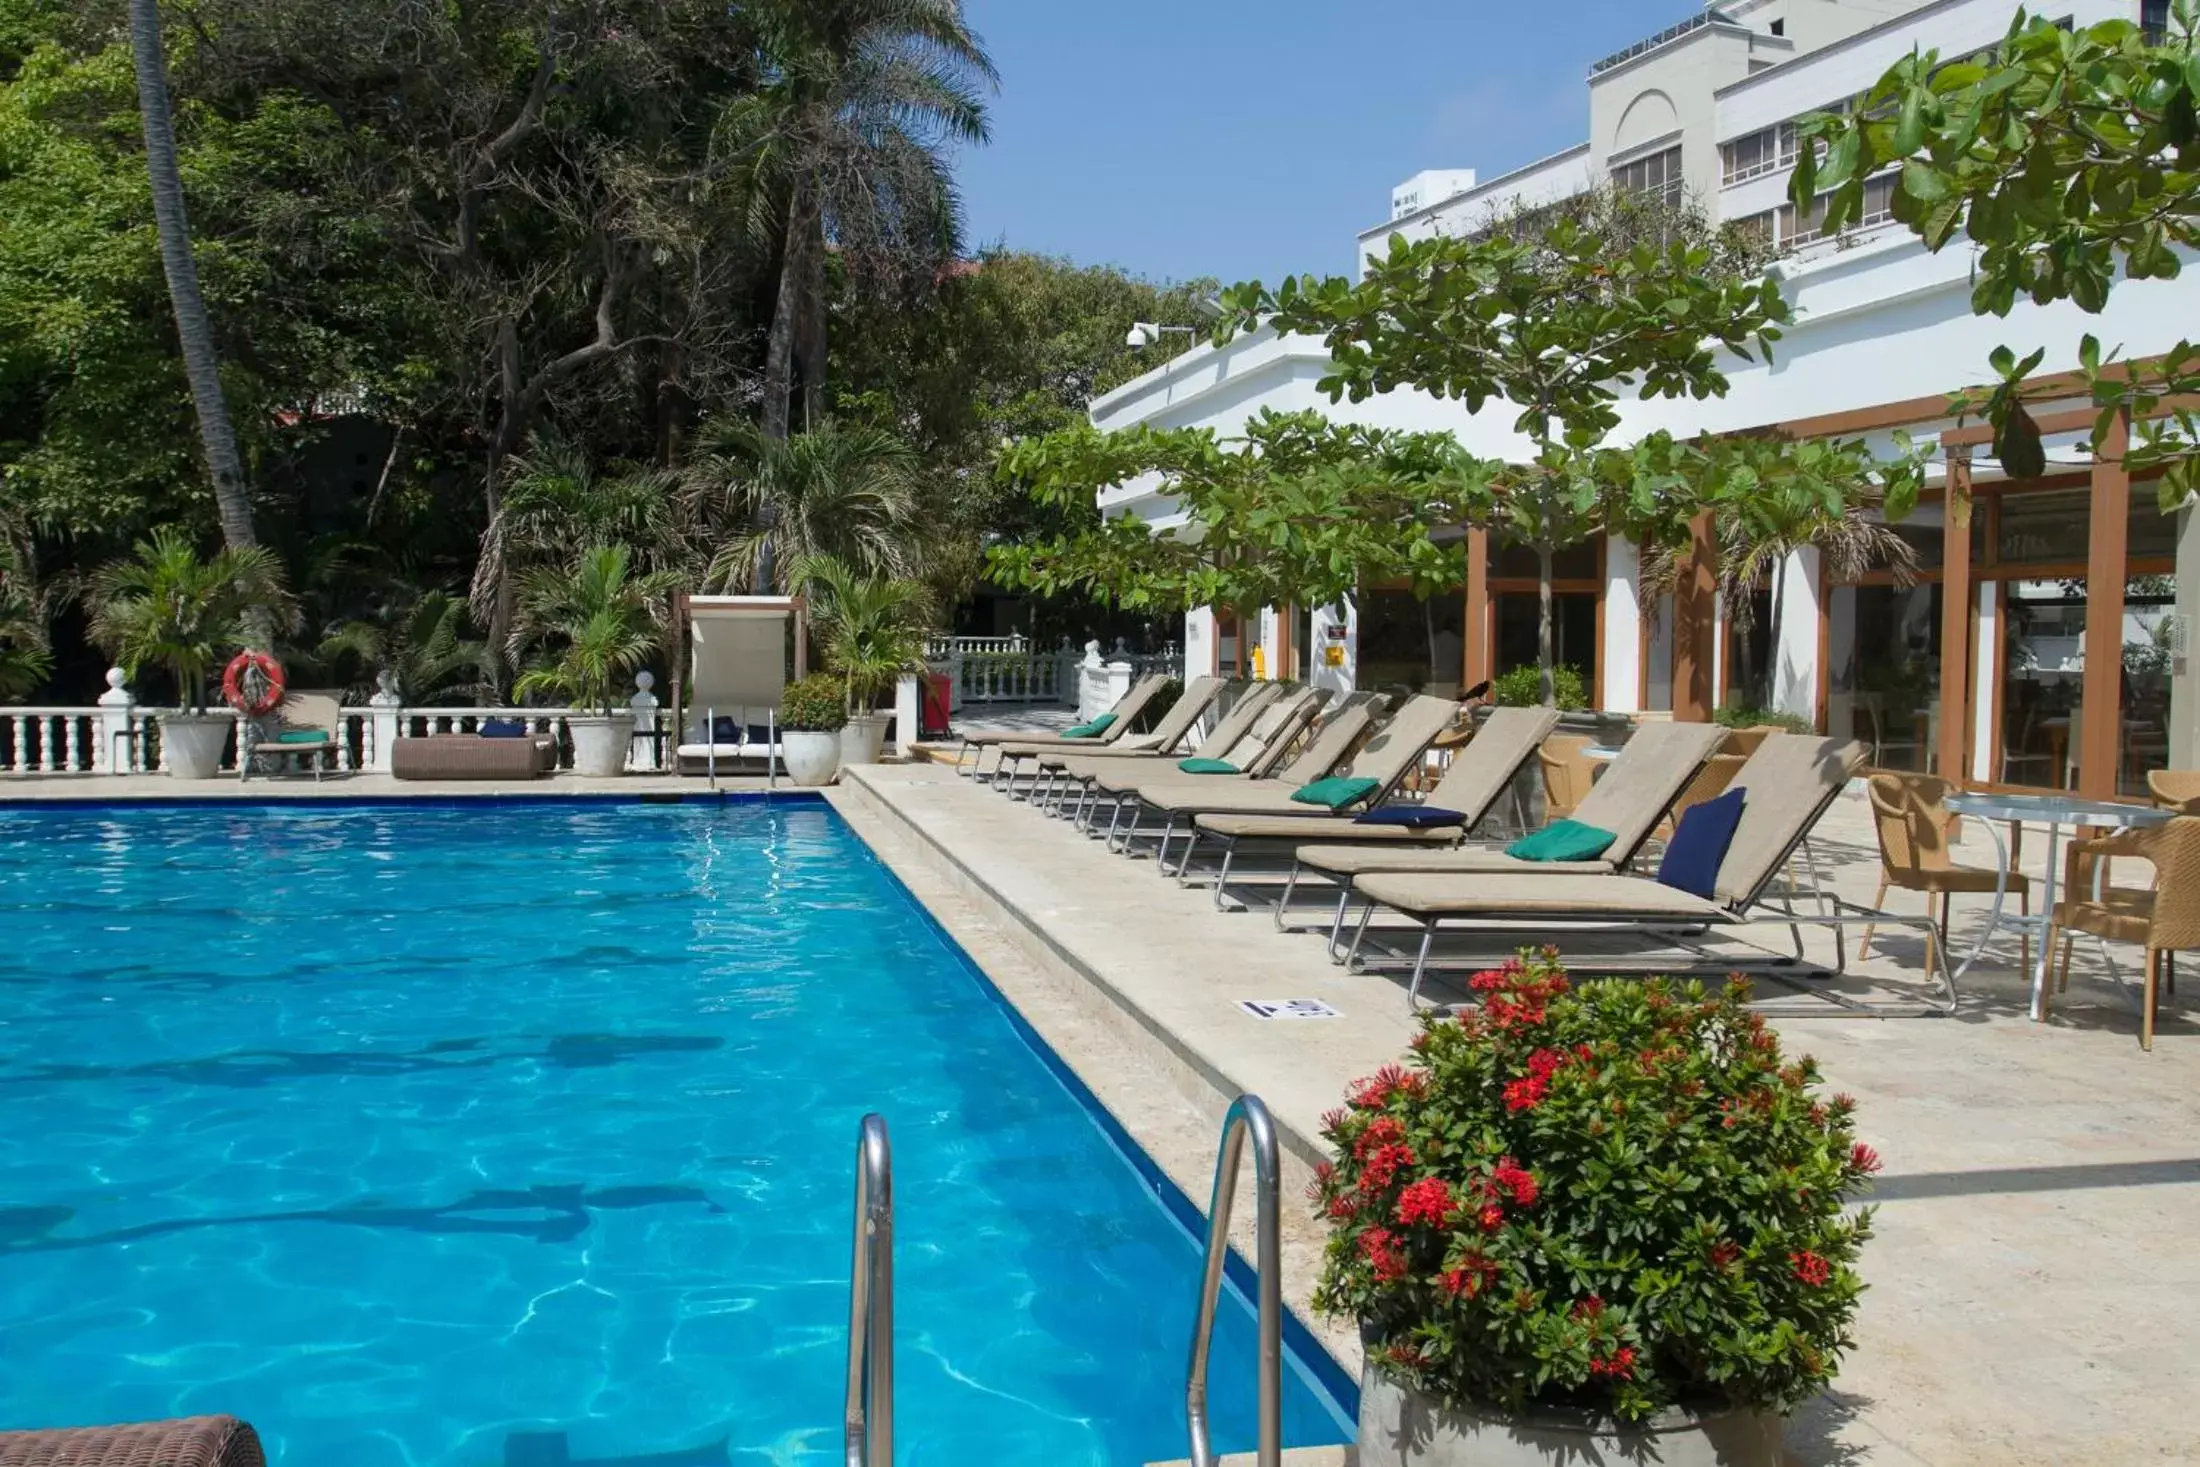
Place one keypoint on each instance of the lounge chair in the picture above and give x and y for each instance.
(471, 756)
(1169, 731)
(1481, 774)
(1255, 754)
(307, 731)
(1264, 706)
(1653, 769)
(1789, 782)
(191, 1441)
(1121, 717)
(1386, 759)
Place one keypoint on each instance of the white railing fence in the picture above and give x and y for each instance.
(978, 671)
(117, 736)
(939, 649)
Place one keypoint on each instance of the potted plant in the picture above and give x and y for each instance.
(1596, 1223)
(596, 619)
(812, 715)
(873, 631)
(168, 606)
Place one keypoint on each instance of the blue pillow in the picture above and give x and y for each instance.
(724, 730)
(759, 733)
(1698, 846)
(1412, 817)
(502, 728)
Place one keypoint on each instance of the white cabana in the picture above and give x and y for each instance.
(740, 652)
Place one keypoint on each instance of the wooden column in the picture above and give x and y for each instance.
(1960, 683)
(2101, 731)
(1695, 622)
(1476, 631)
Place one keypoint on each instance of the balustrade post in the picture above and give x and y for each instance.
(75, 726)
(117, 727)
(644, 704)
(907, 724)
(383, 722)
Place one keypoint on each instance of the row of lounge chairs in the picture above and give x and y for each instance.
(1411, 865)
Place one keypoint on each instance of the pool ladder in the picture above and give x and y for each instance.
(870, 1400)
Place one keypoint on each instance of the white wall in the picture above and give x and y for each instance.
(1795, 682)
(1620, 658)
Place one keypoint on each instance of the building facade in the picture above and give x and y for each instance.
(2052, 619)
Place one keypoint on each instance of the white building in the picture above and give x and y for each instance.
(1992, 687)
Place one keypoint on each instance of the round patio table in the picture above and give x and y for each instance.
(2053, 811)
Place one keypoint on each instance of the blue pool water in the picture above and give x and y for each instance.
(519, 1136)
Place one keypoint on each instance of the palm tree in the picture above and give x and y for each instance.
(420, 639)
(168, 604)
(872, 627)
(598, 619)
(843, 147)
(193, 330)
(847, 493)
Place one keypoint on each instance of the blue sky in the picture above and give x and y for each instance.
(1241, 138)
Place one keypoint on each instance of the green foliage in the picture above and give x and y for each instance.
(1522, 687)
(873, 628)
(1299, 511)
(814, 704)
(1749, 715)
(26, 657)
(423, 640)
(2069, 157)
(1617, 1197)
(844, 493)
(168, 605)
(596, 622)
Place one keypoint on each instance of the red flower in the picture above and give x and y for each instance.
(1427, 1201)
(1492, 1217)
(1545, 1063)
(1490, 980)
(1619, 1365)
(1589, 1308)
(1372, 1092)
(1724, 1252)
(1379, 1246)
(1517, 1182)
(1382, 1131)
(1863, 1158)
(1381, 1169)
(1405, 1354)
(1810, 1268)
(1526, 1094)
(1474, 1274)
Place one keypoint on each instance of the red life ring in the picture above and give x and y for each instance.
(253, 684)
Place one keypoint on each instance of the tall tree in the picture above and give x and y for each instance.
(757, 502)
(845, 146)
(193, 330)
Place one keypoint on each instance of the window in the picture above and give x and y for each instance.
(1878, 209)
(1780, 27)
(2154, 20)
(1757, 228)
(1765, 151)
(1656, 176)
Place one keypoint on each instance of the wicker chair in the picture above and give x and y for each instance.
(2162, 921)
(1568, 772)
(193, 1441)
(2176, 789)
(1915, 826)
(1710, 782)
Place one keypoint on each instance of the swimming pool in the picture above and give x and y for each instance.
(524, 1135)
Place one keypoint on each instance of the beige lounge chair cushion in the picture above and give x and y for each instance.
(1322, 827)
(1654, 766)
(1358, 860)
(1486, 767)
(1619, 898)
(1188, 709)
(1789, 780)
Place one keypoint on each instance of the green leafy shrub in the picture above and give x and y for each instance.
(813, 704)
(1522, 687)
(1742, 715)
(1616, 1197)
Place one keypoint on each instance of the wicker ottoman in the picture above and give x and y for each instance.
(194, 1441)
(470, 756)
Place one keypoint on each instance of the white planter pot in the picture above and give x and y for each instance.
(812, 758)
(192, 743)
(600, 745)
(863, 739)
(1401, 1428)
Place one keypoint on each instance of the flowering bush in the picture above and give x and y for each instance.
(1616, 1197)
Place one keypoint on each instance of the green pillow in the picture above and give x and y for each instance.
(1090, 730)
(1336, 793)
(1206, 766)
(301, 736)
(1562, 840)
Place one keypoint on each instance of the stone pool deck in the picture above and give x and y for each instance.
(2033, 1266)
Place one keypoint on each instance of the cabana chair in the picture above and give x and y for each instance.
(1121, 718)
(1654, 769)
(1170, 730)
(1789, 782)
(309, 724)
(738, 656)
(1915, 827)
(1259, 753)
(1568, 773)
(1482, 772)
(1387, 758)
(1244, 732)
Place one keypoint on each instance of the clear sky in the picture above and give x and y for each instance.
(1241, 138)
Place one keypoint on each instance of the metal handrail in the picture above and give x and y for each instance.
(870, 1402)
(1247, 1117)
